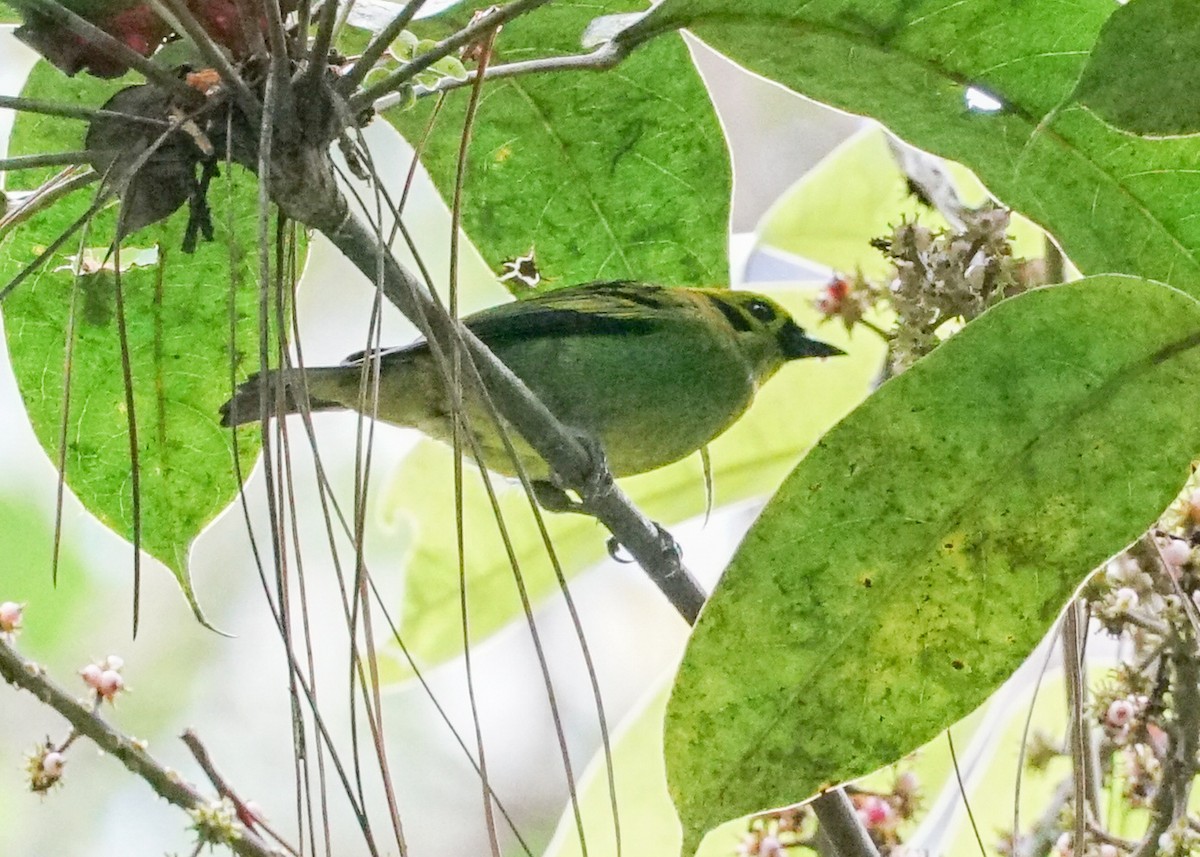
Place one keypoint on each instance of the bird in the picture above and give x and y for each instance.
(650, 373)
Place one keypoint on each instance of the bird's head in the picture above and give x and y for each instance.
(765, 332)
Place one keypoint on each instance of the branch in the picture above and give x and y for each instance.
(245, 812)
(605, 57)
(129, 752)
(379, 44)
(480, 26)
(841, 827)
(567, 455)
(1180, 764)
(1085, 777)
(608, 55)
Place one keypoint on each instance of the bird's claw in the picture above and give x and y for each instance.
(667, 544)
(597, 477)
(552, 498)
(552, 494)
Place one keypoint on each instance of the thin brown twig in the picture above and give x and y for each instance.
(135, 469)
(74, 111)
(606, 57)
(47, 194)
(482, 25)
(1180, 763)
(224, 789)
(378, 46)
(1084, 799)
(318, 54)
(48, 159)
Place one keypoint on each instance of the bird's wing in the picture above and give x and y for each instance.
(618, 308)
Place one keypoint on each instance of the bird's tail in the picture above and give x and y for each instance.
(246, 404)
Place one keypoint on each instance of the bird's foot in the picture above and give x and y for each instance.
(667, 544)
(596, 477)
(554, 495)
(553, 498)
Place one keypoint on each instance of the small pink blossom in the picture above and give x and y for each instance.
(110, 684)
(1176, 552)
(875, 811)
(10, 617)
(1120, 712)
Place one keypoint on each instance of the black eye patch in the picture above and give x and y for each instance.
(736, 320)
(761, 311)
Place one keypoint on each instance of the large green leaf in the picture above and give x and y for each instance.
(179, 344)
(1143, 75)
(609, 176)
(647, 817)
(1115, 203)
(750, 459)
(921, 550)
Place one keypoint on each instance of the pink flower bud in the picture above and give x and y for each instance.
(770, 847)
(1120, 712)
(10, 617)
(91, 675)
(110, 684)
(1176, 552)
(875, 811)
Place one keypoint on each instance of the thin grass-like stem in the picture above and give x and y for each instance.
(74, 111)
(48, 159)
(65, 420)
(135, 467)
(455, 391)
(962, 793)
(47, 194)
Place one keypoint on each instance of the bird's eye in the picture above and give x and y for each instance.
(761, 310)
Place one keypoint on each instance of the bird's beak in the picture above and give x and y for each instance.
(795, 343)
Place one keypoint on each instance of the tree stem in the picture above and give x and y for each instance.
(841, 827)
